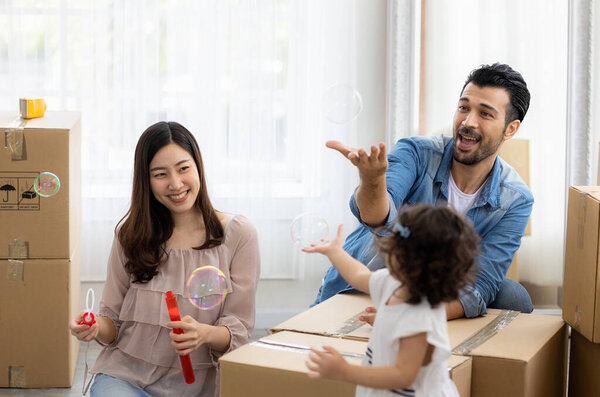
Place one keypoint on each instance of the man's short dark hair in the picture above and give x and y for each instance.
(503, 76)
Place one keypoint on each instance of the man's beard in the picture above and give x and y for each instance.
(484, 151)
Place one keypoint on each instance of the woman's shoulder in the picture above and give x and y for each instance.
(237, 227)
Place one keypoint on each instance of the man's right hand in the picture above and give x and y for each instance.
(369, 318)
(370, 165)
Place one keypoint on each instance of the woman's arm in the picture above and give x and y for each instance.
(355, 273)
(411, 355)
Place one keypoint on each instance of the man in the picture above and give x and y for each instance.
(464, 171)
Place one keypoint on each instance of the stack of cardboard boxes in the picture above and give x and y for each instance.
(501, 354)
(581, 289)
(39, 250)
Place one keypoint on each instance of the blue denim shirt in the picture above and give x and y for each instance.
(419, 169)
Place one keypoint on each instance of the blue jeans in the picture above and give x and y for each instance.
(512, 296)
(107, 386)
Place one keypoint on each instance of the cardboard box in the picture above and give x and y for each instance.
(583, 367)
(38, 297)
(513, 270)
(44, 227)
(526, 358)
(516, 153)
(581, 283)
(275, 366)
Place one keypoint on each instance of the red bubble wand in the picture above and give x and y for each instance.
(186, 362)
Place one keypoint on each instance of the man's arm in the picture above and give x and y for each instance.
(498, 248)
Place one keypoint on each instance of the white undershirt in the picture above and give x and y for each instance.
(458, 200)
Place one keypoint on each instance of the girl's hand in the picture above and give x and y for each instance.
(369, 318)
(326, 364)
(83, 332)
(327, 247)
(194, 335)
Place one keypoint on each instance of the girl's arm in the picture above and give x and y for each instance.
(411, 355)
(355, 273)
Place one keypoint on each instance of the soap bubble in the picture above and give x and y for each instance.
(308, 228)
(206, 287)
(46, 184)
(341, 103)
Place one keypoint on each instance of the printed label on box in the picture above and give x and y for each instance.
(17, 192)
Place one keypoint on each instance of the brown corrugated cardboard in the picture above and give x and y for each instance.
(516, 153)
(329, 316)
(48, 226)
(513, 271)
(262, 369)
(583, 367)
(38, 297)
(526, 358)
(581, 284)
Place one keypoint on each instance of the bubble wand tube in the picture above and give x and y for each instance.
(186, 363)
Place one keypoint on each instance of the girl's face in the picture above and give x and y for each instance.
(174, 179)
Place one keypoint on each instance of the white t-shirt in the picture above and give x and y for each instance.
(460, 201)
(399, 321)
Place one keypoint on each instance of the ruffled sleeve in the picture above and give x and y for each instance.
(239, 307)
(115, 288)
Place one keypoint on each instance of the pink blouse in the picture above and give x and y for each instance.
(141, 352)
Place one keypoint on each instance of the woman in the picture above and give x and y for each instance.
(170, 230)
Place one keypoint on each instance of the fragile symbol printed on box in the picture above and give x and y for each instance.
(17, 191)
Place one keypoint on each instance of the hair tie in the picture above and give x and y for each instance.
(403, 230)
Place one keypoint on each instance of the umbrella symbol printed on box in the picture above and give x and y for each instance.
(7, 188)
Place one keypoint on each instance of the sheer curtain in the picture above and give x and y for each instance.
(246, 77)
(532, 37)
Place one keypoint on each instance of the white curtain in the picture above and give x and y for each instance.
(531, 36)
(246, 77)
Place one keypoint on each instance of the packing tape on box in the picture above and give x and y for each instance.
(500, 322)
(18, 249)
(15, 270)
(13, 138)
(350, 325)
(16, 376)
(296, 348)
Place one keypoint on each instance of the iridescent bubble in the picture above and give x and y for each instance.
(308, 228)
(46, 184)
(206, 287)
(341, 103)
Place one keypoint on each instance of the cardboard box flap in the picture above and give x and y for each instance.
(336, 316)
(519, 338)
(51, 120)
(278, 350)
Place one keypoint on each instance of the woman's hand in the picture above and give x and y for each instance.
(327, 247)
(194, 335)
(326, 364)
(83, 332)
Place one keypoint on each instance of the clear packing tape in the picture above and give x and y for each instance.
(295, 348)
(13, 138)
(351, 324)
(500, 322)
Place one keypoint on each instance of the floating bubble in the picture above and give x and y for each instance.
(46, 184)
(206, 287)
(308, 228)
(341, 103)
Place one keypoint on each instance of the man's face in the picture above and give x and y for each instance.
(479, 123)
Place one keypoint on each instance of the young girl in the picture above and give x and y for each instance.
(170, 229)
(429, 254)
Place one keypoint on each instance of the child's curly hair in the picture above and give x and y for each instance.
(432, 251)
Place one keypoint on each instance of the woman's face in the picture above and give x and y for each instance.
(174, 179)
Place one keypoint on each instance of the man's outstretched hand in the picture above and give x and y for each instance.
(370, 165)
